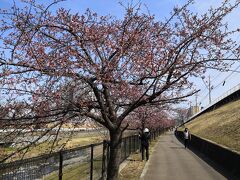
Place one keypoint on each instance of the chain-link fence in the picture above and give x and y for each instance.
(34, 168)
(87, 162)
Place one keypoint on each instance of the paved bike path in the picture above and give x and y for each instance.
(171, 161)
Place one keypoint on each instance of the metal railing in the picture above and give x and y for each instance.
(86, 162)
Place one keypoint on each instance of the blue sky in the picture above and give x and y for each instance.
(161, 9)
(112, 7)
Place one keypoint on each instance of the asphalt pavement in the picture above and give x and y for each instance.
(171, 161)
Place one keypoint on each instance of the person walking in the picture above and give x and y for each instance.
(187, 137)
(145, 137)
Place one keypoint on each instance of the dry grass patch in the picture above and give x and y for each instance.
(46, 147)
(133, 169)
(221, 125)
(75, 142)
(135, 165)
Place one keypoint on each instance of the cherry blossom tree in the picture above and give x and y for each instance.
(62, 66)
(181, 115)
(151, 117)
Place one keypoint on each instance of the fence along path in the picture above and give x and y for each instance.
(170, 161)
(87, 162)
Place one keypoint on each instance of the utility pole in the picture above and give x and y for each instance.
(209, 87)
(196, 99)
(196, 107)
(190, 103)
(209, 90)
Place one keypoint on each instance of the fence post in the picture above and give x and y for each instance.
(139, 145)
(125, 148)
(108, 153)
(104, 159)
(134, 143)
(130, 150)
(60, 174)
(91, 167)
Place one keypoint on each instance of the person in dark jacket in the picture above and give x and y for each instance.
(145, 137)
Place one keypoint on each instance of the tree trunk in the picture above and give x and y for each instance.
(115, 155)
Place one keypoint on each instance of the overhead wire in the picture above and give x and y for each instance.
(223, 81)
(219, 75)
(232, 71)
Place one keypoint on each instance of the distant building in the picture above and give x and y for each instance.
(193, 110)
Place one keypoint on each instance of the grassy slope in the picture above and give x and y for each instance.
(221, 125)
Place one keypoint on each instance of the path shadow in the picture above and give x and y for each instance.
(130, 159)
(177, 147)
(210, 162)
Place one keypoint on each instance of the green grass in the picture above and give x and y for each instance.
(5, 151)
(78, 171)
(221, 125)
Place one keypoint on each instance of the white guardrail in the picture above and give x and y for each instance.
(226, 94)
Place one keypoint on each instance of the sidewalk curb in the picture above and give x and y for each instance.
(122, 165)
(147, 163)
(144, 170)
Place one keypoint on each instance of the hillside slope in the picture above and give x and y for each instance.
(221, 125)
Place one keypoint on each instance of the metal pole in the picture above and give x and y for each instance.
(91, 167)
(104, 159)
(133, 138)
(125, 148)
(130, 145)
(60, 174)
(209, 89)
